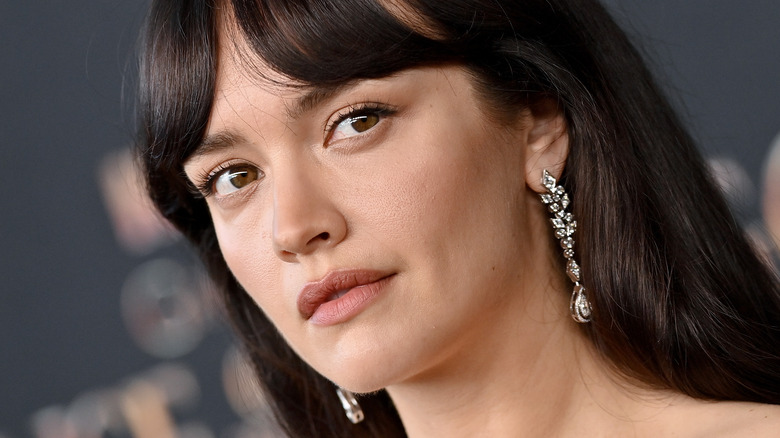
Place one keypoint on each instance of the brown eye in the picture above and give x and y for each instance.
(363, 123)
(357, 123)
(235, 178)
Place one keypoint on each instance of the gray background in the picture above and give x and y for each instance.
(62, 66)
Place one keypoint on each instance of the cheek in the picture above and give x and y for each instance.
(246, 247)
(415, 181)
(453, 213)
(452, 190)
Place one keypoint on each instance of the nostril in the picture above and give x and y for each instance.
(315, 242)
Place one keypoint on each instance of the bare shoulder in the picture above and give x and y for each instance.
(737, 419)
(757, 420)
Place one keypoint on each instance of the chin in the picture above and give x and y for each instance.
(361, 378)
(361, 373)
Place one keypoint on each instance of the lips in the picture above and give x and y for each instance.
(340, 294)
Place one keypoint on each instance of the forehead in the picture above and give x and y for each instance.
(254, 88)
(240, 69)
(239, 63)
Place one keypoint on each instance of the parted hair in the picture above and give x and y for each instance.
(680, 299)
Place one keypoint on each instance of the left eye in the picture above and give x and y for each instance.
(354, 125)
(235, 179)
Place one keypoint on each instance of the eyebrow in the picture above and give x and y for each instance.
(309, 100)
(315, 96)
(216, 142)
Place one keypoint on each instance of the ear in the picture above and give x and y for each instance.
(547, 143)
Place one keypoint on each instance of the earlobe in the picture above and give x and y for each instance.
(547, 143)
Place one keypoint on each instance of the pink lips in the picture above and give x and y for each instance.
(340, 295)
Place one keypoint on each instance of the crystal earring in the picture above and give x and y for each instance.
(564, 225)
(351, 406)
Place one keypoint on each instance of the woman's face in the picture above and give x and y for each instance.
(382, 226)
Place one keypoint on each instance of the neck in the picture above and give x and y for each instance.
(525, 369)
(543, 381)
(489, 393)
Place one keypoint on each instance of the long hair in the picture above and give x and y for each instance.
(680, 300)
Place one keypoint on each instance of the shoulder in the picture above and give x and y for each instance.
(734, 419)
(753, 419)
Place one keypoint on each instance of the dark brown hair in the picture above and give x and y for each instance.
(680, 299)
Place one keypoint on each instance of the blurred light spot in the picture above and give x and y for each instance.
(251, 430)
(771, 195)
(137, 225)
(162, 308)
(146, 412)
(194, 430)
(53, 422)
(762, 243)
(734, 182)
(245, 396)
(95, 412)
(177, 383)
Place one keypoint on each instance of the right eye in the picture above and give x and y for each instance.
(234, 178)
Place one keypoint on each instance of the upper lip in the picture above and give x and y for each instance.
(315, 293)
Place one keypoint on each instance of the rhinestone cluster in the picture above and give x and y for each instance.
(564, 227)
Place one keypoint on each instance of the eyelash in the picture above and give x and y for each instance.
(204, 183)
(353, 111)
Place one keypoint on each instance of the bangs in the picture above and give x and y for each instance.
(332, 42)
(328, 42)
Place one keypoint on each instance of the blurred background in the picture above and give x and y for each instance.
(106, 324)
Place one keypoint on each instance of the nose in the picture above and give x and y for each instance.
(306, 218)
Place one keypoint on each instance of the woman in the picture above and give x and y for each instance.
(381, 191)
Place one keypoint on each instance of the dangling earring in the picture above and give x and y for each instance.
(351, 406)
(564, 225)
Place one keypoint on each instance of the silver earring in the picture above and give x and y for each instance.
(351, 406)
(564, 225)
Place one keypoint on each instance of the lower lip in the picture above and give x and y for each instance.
(350, 304)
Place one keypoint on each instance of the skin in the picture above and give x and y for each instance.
(473, 330)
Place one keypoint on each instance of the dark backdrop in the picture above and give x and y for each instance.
(62, 66)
